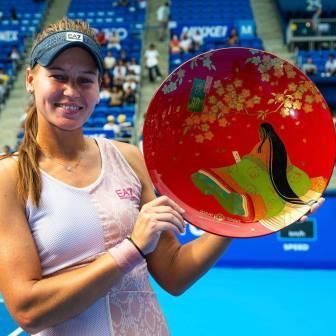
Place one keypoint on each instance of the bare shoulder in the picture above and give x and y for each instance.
(127, 149)
(8, 173)
(9, 198)
(134, 157)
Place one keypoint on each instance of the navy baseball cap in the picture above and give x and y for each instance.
(54, 44)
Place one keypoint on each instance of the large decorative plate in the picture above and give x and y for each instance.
(242, 140)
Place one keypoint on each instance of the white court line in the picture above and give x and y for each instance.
(16, 332)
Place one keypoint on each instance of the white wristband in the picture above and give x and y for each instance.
(126, 255)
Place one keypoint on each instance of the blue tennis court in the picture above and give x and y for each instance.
(7, 325)
(263, 302)
(243, 302)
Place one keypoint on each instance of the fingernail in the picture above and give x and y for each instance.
(182, 210)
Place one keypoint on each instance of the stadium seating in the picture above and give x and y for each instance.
(304, 9)
(212, 11)
(28, 16)
(215, 19)
(17, 21)
(319, 58)
(303, 29)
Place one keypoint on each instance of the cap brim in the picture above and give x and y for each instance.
(48, 57)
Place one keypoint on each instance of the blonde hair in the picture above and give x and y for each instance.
(29, 176)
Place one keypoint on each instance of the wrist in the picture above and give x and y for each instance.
(126, 255)
(136, 246)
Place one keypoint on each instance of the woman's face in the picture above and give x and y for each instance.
(67, 91)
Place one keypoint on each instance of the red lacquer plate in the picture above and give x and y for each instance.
(242, 140)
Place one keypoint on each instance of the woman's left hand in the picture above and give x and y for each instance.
(313, 209)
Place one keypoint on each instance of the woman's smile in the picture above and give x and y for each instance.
(69, 109)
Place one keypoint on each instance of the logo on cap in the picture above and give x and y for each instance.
(74, 36)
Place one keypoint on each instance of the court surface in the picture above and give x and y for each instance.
(256, 302)
(240, 302)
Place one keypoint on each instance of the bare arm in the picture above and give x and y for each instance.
(175, 267)
(179, 269)
(35, 302)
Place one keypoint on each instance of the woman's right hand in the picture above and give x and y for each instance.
(161, 214)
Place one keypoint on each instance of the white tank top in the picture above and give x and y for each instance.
(72, 226)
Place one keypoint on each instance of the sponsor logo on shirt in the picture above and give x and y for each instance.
(126, 193)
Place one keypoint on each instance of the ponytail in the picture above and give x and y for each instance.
(30, 182)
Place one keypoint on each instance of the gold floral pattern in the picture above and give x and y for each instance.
(230, 97)
(173, 84)
(205, 61)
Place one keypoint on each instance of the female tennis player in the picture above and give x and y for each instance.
(80, 226)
